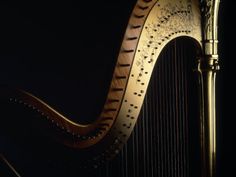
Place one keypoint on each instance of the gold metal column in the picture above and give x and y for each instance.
(208, 66)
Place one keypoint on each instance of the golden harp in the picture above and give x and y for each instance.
(166, 66)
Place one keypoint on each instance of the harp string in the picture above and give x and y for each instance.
(174, 108)
(181, 108)
(177, 112)
(183, 112)
(148, 136)
(186, 117)
(167, 117)
(170, 110)
(186, 67)
(150, 122)
(161, 122)
(148, 145)
(145, 140)
(183, 155)
(157, 114)
(153, 135)
(181, 142)
(155, 131)
(137, 149)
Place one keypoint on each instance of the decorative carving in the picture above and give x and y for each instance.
(172, 19)
(210, 10)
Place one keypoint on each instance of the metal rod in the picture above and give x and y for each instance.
(208, 66)
(9, 165)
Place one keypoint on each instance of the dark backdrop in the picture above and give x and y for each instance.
(77, 44)
(226, 91)
(69, 49)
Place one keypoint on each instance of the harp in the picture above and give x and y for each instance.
(164, 79)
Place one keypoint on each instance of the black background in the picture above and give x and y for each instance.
(51, 38)
(69, 49)
(226, 91)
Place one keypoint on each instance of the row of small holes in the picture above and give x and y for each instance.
(57, 124)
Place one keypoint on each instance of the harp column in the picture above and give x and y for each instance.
(208, 65)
